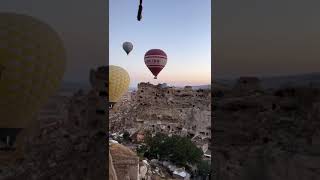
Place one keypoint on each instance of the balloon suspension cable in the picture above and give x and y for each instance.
(139, 16)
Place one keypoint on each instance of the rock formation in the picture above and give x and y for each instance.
(112, 171)
(125, 162)
(64, 151)
(69, 143)
(270, 135)
(160, 108)
(247, 85)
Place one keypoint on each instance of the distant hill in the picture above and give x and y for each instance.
(220, 86)
(193, 87)
(267, 82)
(202, 87)
(74, 86)
(225, 82)
(281, 81)
(132, 89)
(292, 80)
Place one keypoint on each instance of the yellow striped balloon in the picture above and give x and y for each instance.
(118, 83)
(32, 64)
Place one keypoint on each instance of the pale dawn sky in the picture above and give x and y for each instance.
(182, 28)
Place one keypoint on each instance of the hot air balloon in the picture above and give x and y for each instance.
(118, 83)
(32, 64)
(156, 60)
(127, 46)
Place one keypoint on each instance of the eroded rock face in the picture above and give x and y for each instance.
(64, 158)
(164, 109)
(247, 85)
(125, 162)
(64, 150)
(159, 108)
(266, 136)
(112, 171)
(69, 142)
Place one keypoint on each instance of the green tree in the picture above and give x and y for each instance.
(184, 151)
(156, 144)
(179, 150)
(141, 150)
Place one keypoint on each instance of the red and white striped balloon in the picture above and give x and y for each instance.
(156, 60)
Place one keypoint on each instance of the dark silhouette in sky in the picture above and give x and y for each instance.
(139, 17)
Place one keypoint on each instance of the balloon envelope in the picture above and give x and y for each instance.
(118, 83)
(32, 64)
(155, 60)
(127, 46)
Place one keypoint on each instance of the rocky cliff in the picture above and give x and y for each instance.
(67, 145)
(159, 108)
(267, 135)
